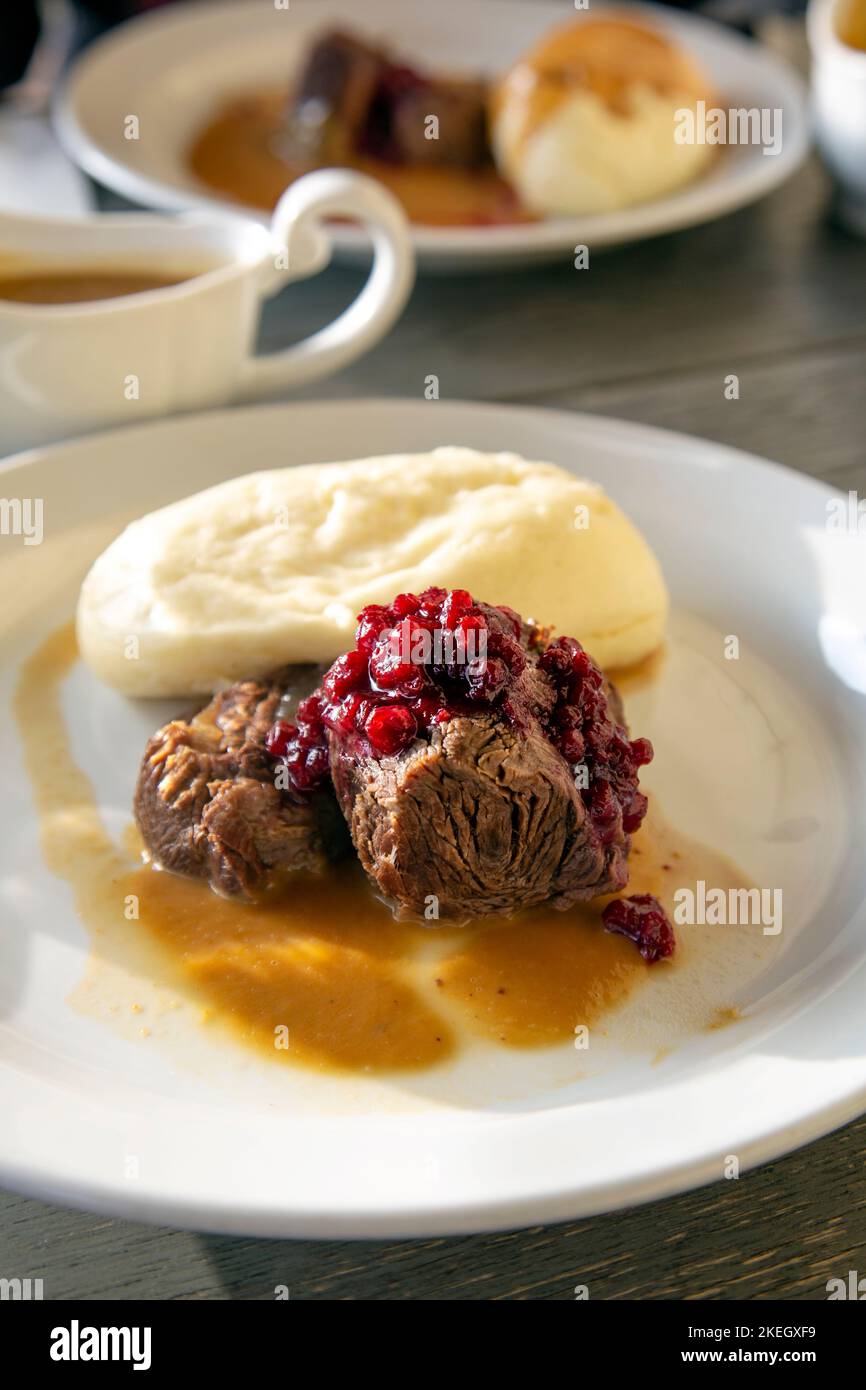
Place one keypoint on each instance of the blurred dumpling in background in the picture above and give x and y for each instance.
(585, 121)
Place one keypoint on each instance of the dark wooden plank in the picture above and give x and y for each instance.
(806, 410)
(766, 283)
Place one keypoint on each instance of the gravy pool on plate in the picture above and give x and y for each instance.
(358, 991)
(237, 155)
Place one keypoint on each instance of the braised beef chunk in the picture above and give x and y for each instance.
(332, 99)
(478, 765)
(207, 803)
(484, 818)
(352, 99)
(460, 108)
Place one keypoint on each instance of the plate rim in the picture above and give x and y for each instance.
(418, 1223)
(585, 418)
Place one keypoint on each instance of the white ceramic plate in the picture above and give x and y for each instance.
(763, 757)
(172, 68)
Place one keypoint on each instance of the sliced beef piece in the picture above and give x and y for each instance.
(332, 99)
(207, 803)
(487, 818)
(352, 99)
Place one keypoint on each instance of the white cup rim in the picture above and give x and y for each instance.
(234, 265)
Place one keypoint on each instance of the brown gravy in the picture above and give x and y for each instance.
(324, 975)
(237, 155)
(75, 287)
(851, 23)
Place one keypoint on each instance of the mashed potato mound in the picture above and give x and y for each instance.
(273, 567)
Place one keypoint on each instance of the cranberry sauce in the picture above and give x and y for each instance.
(584, 729)
(376, 136)
(427, 658)
(643, 920)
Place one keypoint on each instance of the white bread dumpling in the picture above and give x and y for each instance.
(585, 122)
(273, 567)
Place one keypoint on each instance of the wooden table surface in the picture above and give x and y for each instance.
(777, 295)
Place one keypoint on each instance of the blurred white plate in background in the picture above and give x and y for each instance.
(174, 67)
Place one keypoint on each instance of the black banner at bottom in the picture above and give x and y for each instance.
(225, 1337)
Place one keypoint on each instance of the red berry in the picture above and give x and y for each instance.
(390, 728)
(572, 746)
(307, 768)
(455, 604)
(644, 921)
(344, 716)
(426, 708)
(598, 733)
(387, 667)
(278, 738)
(632, 817)
(488, 682)
(404, 604)
(430, 601)
(310, 710)
(500, 644)
(567, 717)
(642, 751)
(469, 645)
(471, 622)
(555, 662)
(371, 621)
(410, 687)
(346, 674)
(603, 806)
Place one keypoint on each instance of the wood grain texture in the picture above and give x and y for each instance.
(777, 295)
